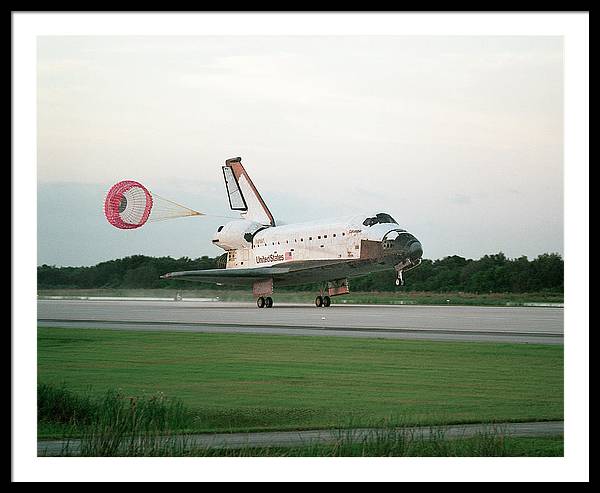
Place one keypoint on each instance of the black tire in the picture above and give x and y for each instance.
(326, 301)
(318, 301)
(260, 302)
(269, 302)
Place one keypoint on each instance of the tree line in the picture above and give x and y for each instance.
(491, 273)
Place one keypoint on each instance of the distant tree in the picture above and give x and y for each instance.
(491, 273)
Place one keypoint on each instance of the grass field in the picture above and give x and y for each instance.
(480, 446)
(399, 297)
(257, 382)
(114, 425)
(491, 446)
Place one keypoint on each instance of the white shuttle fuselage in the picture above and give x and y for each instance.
(262, 254)
(326, 239)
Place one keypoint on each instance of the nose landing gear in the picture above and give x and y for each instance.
(400, 268)
(400, 279)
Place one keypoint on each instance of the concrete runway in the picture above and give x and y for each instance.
(444, 323)
(313, 437)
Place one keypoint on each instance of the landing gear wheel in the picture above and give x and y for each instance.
(269, 302)
(398, 282)
(319, 301)
(326, 301)
(260, 302)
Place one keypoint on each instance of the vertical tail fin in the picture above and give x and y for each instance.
(243, 195)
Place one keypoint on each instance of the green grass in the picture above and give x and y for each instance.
(64, 413)
(399, 297)
(388, 444)
(258, 382)
(478, 446)
(113, 425)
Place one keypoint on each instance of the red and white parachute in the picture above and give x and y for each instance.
(130, 204)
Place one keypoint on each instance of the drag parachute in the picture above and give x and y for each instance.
(130, 204)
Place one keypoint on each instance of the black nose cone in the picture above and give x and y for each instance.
(415, 250)
(406, 244)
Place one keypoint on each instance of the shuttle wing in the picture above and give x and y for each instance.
(228, 276)
(291, 272)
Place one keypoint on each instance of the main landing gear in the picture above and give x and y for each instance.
(324, 301)
(264, 302)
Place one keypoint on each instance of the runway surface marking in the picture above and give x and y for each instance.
(324, 437)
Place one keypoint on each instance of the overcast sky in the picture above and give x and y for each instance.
(458, 138)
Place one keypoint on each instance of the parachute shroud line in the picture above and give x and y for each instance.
(169, 209)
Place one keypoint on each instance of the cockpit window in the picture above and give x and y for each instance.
(220, 228)
(382, 217)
